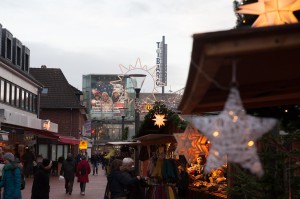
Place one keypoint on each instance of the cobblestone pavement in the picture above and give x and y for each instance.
(94, 189)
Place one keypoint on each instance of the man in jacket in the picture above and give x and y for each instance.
(41, 186)
(68, 170)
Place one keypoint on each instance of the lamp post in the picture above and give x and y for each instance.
(137, 82)
(123, 114)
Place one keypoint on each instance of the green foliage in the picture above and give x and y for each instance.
(160, 108)
(280, 162)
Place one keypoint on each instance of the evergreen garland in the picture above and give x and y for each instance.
(160, 108)
(280, 162)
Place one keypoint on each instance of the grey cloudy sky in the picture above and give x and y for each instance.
(96, 36)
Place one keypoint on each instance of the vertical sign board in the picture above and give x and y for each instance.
(161, 63)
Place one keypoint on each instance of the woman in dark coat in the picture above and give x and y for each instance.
(41, 186)
(82, 172)
(119, 181)
(68, 170)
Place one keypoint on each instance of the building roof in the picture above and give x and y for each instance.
(267, 68)
(60, 93)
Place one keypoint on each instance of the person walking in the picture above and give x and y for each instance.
(28, 159)
(118, 181)
(41, 186)
(68, 170)
(60, 161)
(82, 172)
(11, 178)
(134, 190)
(95, 162)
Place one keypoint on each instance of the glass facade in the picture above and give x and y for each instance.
(104, 95)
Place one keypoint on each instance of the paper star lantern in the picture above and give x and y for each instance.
(159, 120)
(272, 12)
(233, 134)
(190, 144)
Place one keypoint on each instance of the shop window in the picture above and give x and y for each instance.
(60, 151)
(43, 150)
(53, 153)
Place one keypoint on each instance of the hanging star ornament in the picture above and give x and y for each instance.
(159, 120)
(190, 144)
(272, 12)
(233, 134)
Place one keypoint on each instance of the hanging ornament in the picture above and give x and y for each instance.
(159, 120)
(191, 144)
(272, 12)
(233, 134)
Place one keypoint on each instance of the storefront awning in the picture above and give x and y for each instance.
(43, 134)
(68, 140)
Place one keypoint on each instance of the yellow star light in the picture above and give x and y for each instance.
(272, 12)
(159, 120)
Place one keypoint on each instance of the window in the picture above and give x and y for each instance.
(30, 102)
(12, 101)
(43, 150)
(17, 97)
(22, 99)
(45, 90)
(19, 56)
(8, 49)
(26, 101)
(2, 90)
(34, 106)
(7, 94)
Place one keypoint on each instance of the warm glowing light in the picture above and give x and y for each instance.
(272, 12)
(286, 110)
(250, 143)
(159, 120)
(216, 133)
(216, 153)
(231, 113)
(235, 118)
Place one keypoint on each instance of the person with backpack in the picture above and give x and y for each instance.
(11, 178)
(82, 172)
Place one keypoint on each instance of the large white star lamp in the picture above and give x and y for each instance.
(233, 134)
(272, 12)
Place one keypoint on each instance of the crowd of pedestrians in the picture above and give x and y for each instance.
(122, 183)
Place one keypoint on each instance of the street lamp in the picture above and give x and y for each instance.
(123, 114)
(137, 82)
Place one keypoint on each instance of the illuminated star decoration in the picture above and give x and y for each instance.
(159, 120)
(233, 134)
(272, 12)
(190, 144)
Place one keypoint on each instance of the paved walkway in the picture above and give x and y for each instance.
(94, 189)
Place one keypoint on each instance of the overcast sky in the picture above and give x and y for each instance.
(96, 36)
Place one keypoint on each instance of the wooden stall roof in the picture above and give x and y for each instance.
(156, 139)
(124, 143)
(267, 68)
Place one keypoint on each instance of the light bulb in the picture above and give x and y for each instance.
(216, 134)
